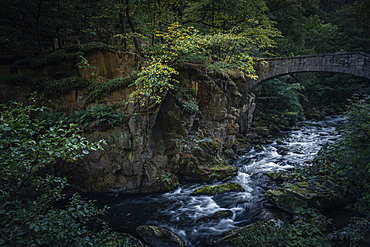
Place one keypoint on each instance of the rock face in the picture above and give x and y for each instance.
(141, 155)
(156, 236)
(321, 196)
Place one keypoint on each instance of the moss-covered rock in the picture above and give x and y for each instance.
(217, 189)
(156, 236)
(280, 142)
(132, 241)
(320, 196)
(193, 170)
(240, 236)
(278, 176)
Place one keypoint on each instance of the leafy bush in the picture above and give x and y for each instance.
(50, 118)
(27, 190)
(153, 82)
(355, 231)
(348, 160)
(100, 113)
(304, 232)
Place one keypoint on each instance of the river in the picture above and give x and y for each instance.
(182, 214)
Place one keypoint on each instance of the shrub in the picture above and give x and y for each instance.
(100, 113)
(27, 149)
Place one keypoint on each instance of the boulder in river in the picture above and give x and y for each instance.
(217, 189)
(321, 196)
(156, 236)
(238, 236)
(221, 214)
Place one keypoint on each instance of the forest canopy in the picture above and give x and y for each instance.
(307, 27)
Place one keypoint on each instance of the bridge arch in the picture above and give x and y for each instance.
(353, 63)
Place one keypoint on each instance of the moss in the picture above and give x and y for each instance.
(278, 141)
(227, 179)
(217, 189)
(302, 184)
(280, 175)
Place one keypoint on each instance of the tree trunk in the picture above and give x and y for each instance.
(136, 43)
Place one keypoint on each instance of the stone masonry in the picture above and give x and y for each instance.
(353, 63)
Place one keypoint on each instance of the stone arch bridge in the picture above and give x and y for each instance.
(353, 63)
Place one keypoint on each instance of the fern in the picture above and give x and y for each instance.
(50, 118)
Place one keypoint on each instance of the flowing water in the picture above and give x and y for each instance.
(182, 214)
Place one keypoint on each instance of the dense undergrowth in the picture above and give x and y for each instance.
(28, 218)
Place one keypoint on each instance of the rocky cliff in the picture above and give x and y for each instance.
(156, 145)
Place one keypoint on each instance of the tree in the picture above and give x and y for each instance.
(27, 150)
(362, 13)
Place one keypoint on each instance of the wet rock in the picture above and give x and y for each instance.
(132, 241)
(269, 205)
(218, 189)
(320, 196)
(279, 176)
(156, 236)
(282, 150)
(258, 147)
(194, 172)
(222, 214)
(236, 237)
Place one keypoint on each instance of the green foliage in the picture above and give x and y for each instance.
(166, 177)
(346, 162)
(266, 234)
(99, 90)
(101, 114)
(355, 231)
(279, 102)
(191, 106)
(27, 149)
(152, 83)
(186, 97)
(193, 142)
(50, 118)
(233, 50)
(91, 47)
(83, 63)
(96, 90)
(66, 84)
(28, 79)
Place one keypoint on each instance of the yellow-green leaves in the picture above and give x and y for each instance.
(153, 82)
(232, 51)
